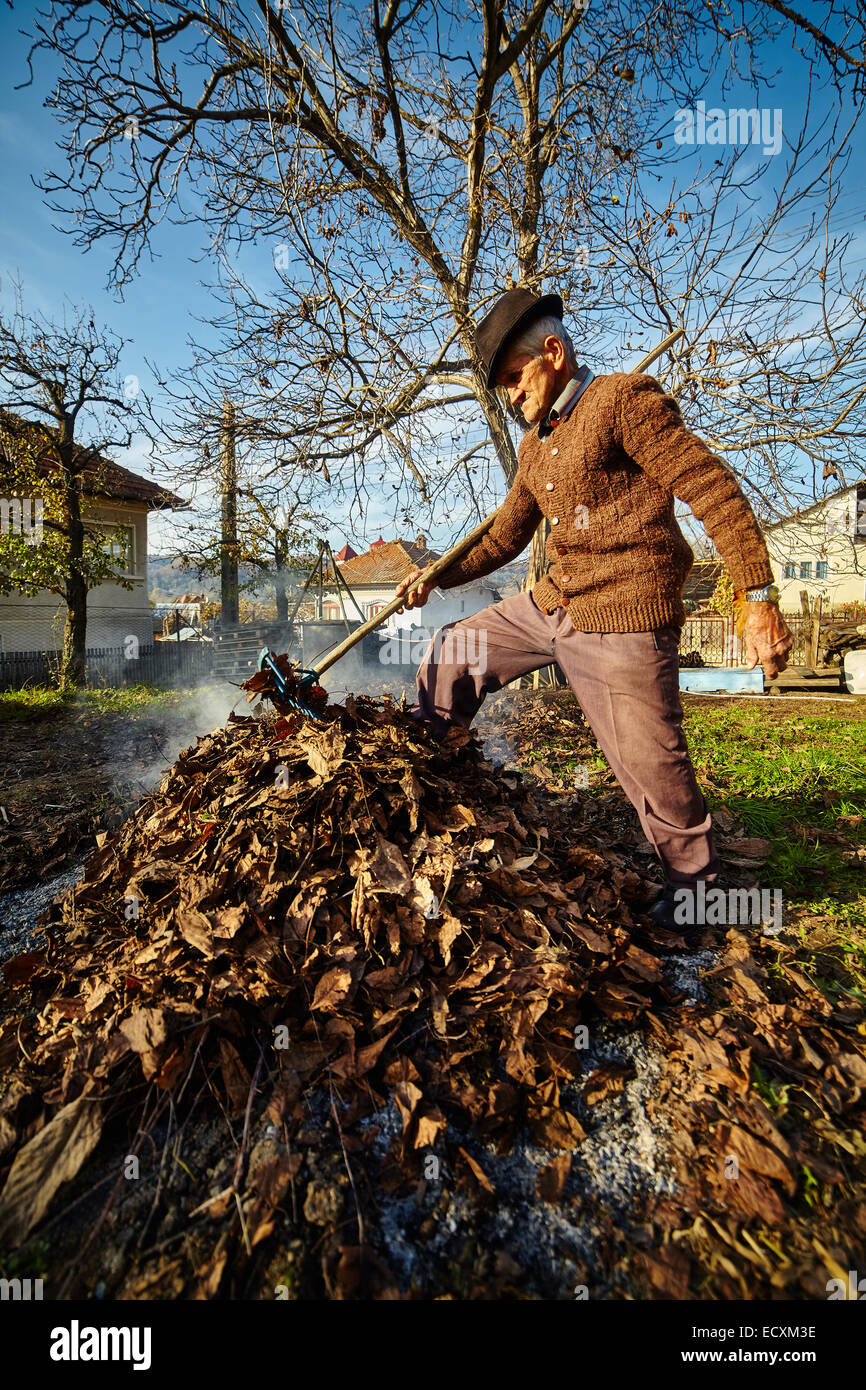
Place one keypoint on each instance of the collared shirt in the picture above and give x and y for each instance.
(565, 403)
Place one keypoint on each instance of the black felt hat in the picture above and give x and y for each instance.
(513, 312)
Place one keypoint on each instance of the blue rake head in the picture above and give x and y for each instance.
(294, 699)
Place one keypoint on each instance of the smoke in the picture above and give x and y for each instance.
(142, 751)
(497, 745)
(353, 674)
(148, 747)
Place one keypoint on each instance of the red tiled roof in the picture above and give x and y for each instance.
(101, 477)
(347, 553)
(386, 562)
(378, 542)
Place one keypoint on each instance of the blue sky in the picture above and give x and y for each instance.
(160, 307)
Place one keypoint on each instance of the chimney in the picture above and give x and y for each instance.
(421, 541)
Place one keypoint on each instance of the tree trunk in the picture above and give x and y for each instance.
(229, 529)
(73, 666)
(497, 424)
(507, 456)
(547, 675)
(280, 595)
(73, 663)
(815, 634)
(538, 554)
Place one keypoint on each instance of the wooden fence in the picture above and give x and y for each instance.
(173, 665)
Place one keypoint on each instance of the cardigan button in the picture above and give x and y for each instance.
(554, 521)
(549, 487)
(554, 452)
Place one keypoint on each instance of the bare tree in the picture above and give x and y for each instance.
(277, 523)
(402, 161)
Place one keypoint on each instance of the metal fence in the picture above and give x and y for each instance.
(174, 665)
(715, 638)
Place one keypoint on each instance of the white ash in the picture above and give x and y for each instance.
(560, 1246)
(683, 973)
(20, 909)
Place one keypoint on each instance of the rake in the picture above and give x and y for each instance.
(294, 689)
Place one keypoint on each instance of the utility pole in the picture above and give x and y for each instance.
(229, 528)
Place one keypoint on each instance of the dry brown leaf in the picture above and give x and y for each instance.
(332, 989)
(552, 1179)
(607, 1080)
(51, 1158)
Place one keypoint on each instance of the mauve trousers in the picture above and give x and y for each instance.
(627, 684)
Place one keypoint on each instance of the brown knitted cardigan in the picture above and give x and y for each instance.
(605, 479)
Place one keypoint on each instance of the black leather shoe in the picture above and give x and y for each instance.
(662, 911)
(674, 912)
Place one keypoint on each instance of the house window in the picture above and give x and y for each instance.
(790, 571)
(805, 569)
(372, 609)
(860, 523)
(120, 545)
(330, 611)
(821, 569)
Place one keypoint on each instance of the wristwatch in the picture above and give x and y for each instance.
(769, 594)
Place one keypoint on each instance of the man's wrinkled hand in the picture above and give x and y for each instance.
(419, 592)
(767, 638)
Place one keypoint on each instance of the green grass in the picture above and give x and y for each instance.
(799, 782)
(801, 757)
(40, 701)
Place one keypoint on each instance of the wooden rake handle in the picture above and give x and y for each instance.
(430, 573)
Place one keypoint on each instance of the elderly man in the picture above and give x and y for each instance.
(607, 458)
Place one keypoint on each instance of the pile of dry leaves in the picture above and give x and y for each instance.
(345, 906)
(319, 957)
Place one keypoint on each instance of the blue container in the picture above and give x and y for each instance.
(726, 680)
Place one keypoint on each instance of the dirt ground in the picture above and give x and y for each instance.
(67, 776)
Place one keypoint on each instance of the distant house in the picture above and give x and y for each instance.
(372, 578)
(183, 614)
(822, 549)
(113, 497)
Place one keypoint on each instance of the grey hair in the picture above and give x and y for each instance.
(533, 340)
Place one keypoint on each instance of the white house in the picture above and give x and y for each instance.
(113, 497)
(822, 549)
(373, 576)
